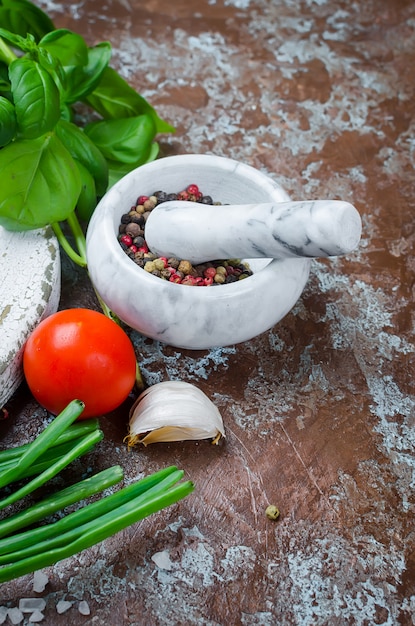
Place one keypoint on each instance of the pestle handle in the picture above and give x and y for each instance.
(199, 233)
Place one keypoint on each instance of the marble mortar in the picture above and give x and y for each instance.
(184, 316)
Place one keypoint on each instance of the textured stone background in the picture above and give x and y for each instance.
(319, 411)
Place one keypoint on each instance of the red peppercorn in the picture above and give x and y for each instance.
(183, 195)
(208, 281)
(141, 199)
(143, 248)
(209, 272)
(133, 248)
(164, 259)
(175, 278)
(193, 189)
(126, 240)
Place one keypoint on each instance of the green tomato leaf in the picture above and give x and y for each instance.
(83, 149)
(127, 140)
(22, 17)
(114, 98)
(40, 183)
(35, 96)
(8, 123)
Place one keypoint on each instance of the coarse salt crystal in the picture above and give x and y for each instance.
(40, 580)
(162, 560)
(63, 606)
(15, 615)
(3, 614)
(83, 608)
(37, 616)
(28, 605)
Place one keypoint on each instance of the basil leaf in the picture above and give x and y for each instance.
(4, 79)
(117, 170)
(127, 140)
(36, 98)
(40, 183)
(82, 81)
(83, 66)
(114, 98)
(8, 123)
(22, 17)
(70, 48)
(85, 151)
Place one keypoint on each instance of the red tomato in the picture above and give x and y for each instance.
(79, 354)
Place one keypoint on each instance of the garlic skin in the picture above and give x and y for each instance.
(173, 411)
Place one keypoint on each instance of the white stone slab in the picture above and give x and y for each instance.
(30, 283)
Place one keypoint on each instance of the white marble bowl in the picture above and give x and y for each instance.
(191, 317)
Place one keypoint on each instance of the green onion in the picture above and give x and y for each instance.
(98, 533)
(46, 459)
(61, 442)
(74, 431)
(61, 499)
(43, 441)
(92, 511)
(78, 449)
(110, 508)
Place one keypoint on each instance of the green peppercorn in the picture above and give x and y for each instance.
(159, 264)
(272, 512)
(185, 266)
(149, 267)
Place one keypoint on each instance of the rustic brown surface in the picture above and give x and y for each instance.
(320, 411)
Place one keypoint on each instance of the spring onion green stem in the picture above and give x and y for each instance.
(87, 513)
(59, 500)
(44, 440)
(113, 524)
(85, 444)
(118, 507)
(47, 458)
(72, 432)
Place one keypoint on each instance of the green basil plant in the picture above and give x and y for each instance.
(53, 166)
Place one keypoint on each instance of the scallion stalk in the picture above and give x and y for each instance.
(114, 523)
(155, 482)
(85, 444)
(61, 499)
(61, 539)
(43, 441)
(74, 431)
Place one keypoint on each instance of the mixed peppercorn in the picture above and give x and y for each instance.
(132, 240)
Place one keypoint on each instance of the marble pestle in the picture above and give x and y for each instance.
(199, 232)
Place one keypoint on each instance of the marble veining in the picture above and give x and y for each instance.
(182, 316)
(276, 230)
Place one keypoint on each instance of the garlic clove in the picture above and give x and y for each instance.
(173, 411)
